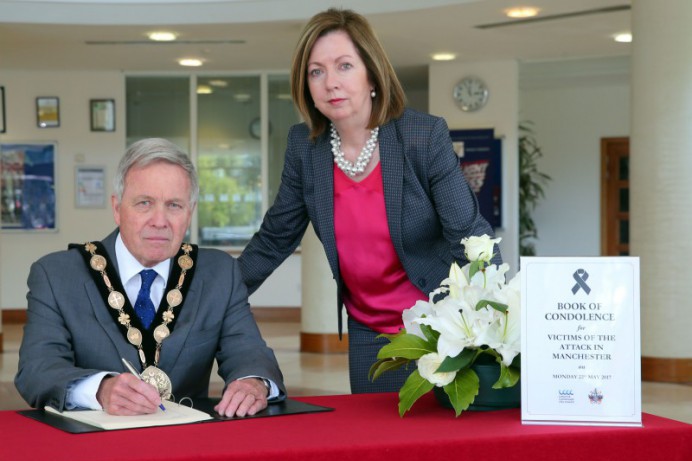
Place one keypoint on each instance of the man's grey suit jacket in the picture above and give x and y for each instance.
(70, 333)
(430, 206)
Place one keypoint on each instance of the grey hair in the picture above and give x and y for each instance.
(147, 151)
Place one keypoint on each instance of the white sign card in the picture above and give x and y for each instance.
(580, 341)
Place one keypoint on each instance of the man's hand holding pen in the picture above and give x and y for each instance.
(126, 395)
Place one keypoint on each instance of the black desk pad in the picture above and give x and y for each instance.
(286, 407)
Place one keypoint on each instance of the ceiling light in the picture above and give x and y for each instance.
(190, 62)
(242, 97)
(218, 83)
(624, 37)
(444, 56)
(522, 12)
(204, 89)
(162, 36)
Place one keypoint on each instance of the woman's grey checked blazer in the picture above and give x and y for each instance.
(429, 205)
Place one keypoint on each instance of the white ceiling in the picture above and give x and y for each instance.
(238, 35)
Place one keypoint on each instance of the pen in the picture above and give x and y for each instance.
(132, 370)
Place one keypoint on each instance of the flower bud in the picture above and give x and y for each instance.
(479, 248)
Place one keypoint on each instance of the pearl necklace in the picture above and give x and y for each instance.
(353, 169)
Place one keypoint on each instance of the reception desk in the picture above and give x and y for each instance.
(361, 427)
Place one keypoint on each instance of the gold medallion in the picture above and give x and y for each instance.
(116, 300)
(174, 297)
(160, 380)
(98, 262)
(185, 262)
(134, 336)
(161, 332)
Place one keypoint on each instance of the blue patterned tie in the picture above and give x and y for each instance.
(143, 306)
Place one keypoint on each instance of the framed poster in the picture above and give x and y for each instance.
(47, 112)
(480, 159)
(102, 114)
(27, 186)
(90, 190)
(3, 128)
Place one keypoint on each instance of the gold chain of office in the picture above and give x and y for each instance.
(151, 374)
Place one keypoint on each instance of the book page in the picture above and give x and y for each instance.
(174, 414)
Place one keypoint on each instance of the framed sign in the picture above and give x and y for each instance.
(28, 186)
(3, 128)
(90, 190)
(102, 114)
(580, 341)
(47, 112)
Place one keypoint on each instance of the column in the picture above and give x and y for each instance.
(319, 327)
(660, 185)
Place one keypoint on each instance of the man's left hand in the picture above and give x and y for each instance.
(243, 397)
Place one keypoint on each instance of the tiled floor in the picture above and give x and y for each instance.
(325, 374)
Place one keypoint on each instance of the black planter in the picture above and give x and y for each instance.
(488, 398)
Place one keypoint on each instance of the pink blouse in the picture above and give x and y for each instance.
(377, 287)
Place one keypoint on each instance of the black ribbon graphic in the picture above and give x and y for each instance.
(581, 276)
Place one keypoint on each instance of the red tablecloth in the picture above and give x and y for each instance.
(362, 427)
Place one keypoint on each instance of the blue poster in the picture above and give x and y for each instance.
(480, 158)
(27, 186)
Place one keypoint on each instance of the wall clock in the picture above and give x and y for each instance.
(470, 94)
(255, 128)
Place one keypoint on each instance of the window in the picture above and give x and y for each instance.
(158, 107)
(241, 124)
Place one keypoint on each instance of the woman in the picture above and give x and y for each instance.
(381, 185)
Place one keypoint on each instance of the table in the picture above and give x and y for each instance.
(361, 427)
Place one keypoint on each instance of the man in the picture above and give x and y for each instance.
(90, 310)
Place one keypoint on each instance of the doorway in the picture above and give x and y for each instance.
(615, 197)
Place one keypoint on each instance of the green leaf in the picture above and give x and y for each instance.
(414, 387)
(463, 390)
(391, 336)
(462, 360)
(383, 365)
(474, 267)
(494, 304)
(407, 346)
(431, 334)
(509, 376)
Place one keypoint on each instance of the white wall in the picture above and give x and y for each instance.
(77, 145)
(573, 105)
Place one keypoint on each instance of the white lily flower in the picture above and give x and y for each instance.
(456, 280)
(496, 275)
(409, 316)
(504, 335)
(456, 332)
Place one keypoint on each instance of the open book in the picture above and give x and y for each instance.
(174, 414)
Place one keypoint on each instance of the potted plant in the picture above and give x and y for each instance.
(465, 340)
(531, 182)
